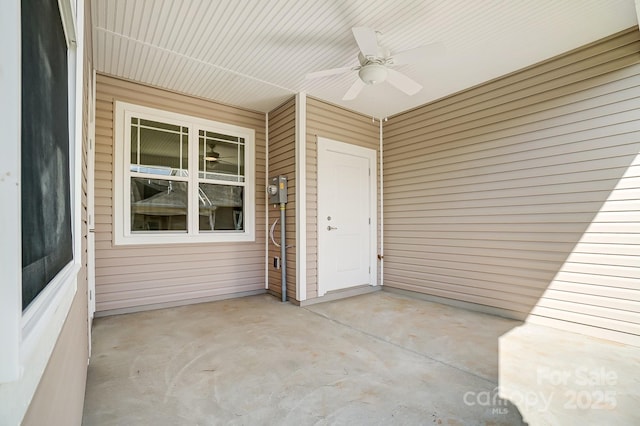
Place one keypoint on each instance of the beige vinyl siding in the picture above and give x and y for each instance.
(135, 276)
(332, 122)
(604, 265)
(67, 367)
(282, 159)
(522, 194)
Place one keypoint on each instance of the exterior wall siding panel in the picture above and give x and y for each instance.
(282, 141)
(521, 194)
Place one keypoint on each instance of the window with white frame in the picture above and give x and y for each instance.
(181, 178)
(43, 29)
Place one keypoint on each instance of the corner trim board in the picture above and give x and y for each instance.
(301, 196)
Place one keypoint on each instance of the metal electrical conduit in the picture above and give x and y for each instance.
(283, 247)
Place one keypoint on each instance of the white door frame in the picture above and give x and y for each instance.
(325, 144)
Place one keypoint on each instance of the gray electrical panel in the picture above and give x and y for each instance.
(277, 190)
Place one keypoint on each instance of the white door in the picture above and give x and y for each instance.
(346, 216)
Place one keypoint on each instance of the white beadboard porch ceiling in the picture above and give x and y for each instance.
(255, 53)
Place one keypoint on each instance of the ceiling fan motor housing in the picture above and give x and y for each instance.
(373, 73)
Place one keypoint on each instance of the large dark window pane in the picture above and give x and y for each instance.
(158, 205)
(45, 183)
(221, 207)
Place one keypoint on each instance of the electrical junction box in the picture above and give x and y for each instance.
(277, 190)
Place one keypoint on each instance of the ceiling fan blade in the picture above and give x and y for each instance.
(418, 54)
(402, 82)
(325, 73)
(354, 90)
(367, 40)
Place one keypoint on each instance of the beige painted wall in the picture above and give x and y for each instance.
(59, 398)
(282, 129)
(332, 122)
(521, 194)
(137, 277)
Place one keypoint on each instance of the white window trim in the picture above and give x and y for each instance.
(122, 234)
(10, 245)
(28, 338)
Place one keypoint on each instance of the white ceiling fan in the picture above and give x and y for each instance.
(376, 62)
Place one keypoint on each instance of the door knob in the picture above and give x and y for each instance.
(331, 228)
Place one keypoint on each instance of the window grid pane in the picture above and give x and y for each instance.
(221, 207)
(158, 205)
(159, 148)
(221, 157)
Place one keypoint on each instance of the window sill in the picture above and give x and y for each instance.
(140, 239)
(45, 309)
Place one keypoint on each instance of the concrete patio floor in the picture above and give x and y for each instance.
(380, 358)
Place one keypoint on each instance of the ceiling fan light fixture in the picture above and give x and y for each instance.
(212, 156)
(373, 73)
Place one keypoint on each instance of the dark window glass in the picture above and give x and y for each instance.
(45, 189)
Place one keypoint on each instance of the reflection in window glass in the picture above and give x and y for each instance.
(220, 207)
(221, 157)
(158, 205)
(159, 148)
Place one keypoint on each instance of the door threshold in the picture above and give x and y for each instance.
(342, 294)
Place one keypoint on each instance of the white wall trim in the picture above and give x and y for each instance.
(266, 201)
(381, 208)
(301, 196)
(68, 13)
(91, 220)
(11, 246)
